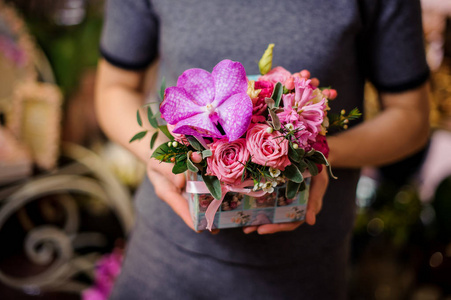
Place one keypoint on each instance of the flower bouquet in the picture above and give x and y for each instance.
(247, 143)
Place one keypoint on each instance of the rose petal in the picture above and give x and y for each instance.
(235, 115)
(199, 84)
(177, 105)
(230, 78)
(198, 124)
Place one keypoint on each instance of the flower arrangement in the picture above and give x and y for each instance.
(245, 134)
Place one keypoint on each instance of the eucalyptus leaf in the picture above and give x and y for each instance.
(179, 167)
(277, 93)
(138, 118)
(319, 158)
(292, 189)
(206, 153)
(153, 139)
(313, 169)
(162, 88)
(194, 143)
(275, 120)
(302, 166)
(138, 136)
(189, 164)
(295, 154)
(164, 129)
(150, 118)
(213, 185)
(292, 173)
(270, 102)
(310, 153)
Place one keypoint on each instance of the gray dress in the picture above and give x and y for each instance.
(342, 42)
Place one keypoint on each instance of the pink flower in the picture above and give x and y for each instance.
(259, 104)
(278, 74)
(267, 149)
(321, 145)
(305, 109)
(201, 101)
(228, 160)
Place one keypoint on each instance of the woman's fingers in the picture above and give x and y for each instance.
(317, 190)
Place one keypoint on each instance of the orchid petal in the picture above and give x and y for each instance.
(177, 105)
(230, 78)
(199, 84)
(197, 124)
(235, 115)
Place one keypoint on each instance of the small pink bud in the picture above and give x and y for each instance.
(289, 83)
(314, 82)
(305, 74)
(332, 94)
(196, 157)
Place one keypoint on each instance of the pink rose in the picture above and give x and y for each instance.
(267, 149)
(278, 74)
(228, 160)
(259, 104)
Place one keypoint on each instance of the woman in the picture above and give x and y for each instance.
(342, 43)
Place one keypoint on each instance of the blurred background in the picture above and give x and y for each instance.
(65, 190)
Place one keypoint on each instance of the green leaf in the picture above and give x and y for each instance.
(138, 118)
(313, 169)
(179, 167)
(161, 152)
(206, 153)
(138, 136)
(319, 158)
(194, 143)
(151, 119)
(302, 166)
(277, 93)
(310, 153)
(164, 129)
(189, 164)
(213, 185)
(153, 139)
(295, 154)
(162, 88)
(292, 189)
(292, 172)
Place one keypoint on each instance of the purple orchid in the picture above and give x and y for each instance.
(201, 100)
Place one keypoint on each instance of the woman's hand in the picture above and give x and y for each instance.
(168, 187)
(317, 190)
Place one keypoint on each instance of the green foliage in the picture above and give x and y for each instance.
(162, 88)
(277, 93)
(292, 189)
(194, 143)
(164, 129)
(206, 153)
(138, 118)
(138, 136)
(189, 164)
(213, 185)
(150, 117)
(153, 139)
(293, 174)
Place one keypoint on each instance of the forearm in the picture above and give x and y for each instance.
(399, 130)
(116, 106)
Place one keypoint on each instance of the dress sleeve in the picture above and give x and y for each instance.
(130, 34)
(394, 54)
